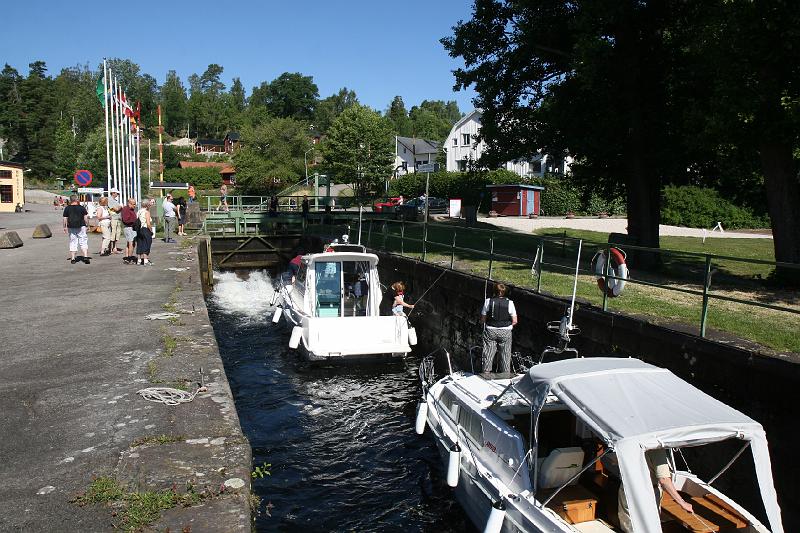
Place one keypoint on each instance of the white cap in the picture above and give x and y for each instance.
(113, 190)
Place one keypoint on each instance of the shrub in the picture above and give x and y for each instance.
(201, 178)
(699, 207)
(559, 197)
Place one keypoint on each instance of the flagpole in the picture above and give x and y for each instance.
(114, 148)
(139, 160)
(126, 132)
(105, 108)
(118, 171)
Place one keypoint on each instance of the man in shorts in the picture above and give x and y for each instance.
(76, 218)
(128, 215)
(116, 222)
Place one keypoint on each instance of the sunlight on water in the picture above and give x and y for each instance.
(249, 298)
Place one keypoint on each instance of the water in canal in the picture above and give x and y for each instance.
(341, 441)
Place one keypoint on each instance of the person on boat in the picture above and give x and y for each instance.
(399, 303)
(661, 476)
(499, 317)
(294, 265)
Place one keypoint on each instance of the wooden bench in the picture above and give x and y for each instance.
(710, 514)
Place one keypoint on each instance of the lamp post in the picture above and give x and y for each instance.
(305, 162)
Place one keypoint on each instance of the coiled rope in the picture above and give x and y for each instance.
(170, 396)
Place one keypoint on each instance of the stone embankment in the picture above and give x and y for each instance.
(81, 450)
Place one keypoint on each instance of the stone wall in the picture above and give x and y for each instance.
(760, 386)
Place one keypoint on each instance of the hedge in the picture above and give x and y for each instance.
(698, 207)
(200, 177)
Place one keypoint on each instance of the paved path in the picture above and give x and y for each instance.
(617, 225)
(74, 349)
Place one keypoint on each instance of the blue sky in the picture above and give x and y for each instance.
(377, 48)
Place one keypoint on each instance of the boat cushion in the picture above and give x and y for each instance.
(561, 465)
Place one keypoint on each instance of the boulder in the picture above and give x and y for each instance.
(10, 239)
(42, 231)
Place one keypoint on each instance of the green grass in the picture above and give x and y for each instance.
(774, 329)
(157, 439)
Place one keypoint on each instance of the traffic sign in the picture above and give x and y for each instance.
(426, 167)
(83, 178)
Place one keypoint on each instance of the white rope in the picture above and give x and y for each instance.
(168, 396)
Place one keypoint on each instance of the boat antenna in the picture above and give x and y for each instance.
(574, 286)
(426, 292)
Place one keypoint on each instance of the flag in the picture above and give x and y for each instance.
(101, 91)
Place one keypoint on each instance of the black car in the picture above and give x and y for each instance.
(415, 208)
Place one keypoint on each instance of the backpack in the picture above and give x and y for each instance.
(128, 216)
(137, 226)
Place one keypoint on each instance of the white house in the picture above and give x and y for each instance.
(463, 150)
(411, 152)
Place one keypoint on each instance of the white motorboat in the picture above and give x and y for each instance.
(333, 304)
(547, 449)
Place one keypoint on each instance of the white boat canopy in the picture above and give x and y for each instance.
(634, 407)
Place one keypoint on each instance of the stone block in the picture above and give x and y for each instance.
(42, 231)
(10, 239)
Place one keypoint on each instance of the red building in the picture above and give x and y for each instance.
(515, 200)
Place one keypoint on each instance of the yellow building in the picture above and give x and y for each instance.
(11, 191)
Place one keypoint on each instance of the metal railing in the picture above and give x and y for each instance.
(393, 236)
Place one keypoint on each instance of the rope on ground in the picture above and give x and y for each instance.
(168, 396)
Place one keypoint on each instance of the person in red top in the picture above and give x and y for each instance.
(294, 265)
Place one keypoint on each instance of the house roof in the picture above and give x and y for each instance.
(228, 169)
(10, 164)
(517, 185)
(419, 146)
(232, 136)
(210, 142)
(201, 164)
(465, 118)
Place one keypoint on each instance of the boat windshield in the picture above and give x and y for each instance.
(342, 288)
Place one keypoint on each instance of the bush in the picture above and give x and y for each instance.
(201, 178)
(559, 197)
(698, 207)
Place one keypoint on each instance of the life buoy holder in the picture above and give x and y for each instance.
(617, 267)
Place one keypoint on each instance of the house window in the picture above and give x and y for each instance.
(404, 150)
(5, 174)
(465, 139)
(455, 141)
(6, 194)
(405, 166)
(536, 166)
(462, 165)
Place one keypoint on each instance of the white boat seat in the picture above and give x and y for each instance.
(558, 467)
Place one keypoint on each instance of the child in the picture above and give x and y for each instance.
(397, 307)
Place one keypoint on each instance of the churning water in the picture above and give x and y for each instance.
(340, 440)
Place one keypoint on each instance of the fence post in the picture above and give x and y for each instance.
(453, 251)
(369, 235)
(402, 237)
(539, 267)
(564, 244)
(605, 277)
(491, 255)
(706, 286)
(425, 238)
(385, 231)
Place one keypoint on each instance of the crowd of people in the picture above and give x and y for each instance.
(130, 224)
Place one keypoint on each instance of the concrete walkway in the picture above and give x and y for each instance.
(74, 348)
(616, 225)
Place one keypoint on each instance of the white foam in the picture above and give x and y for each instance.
(249, 297)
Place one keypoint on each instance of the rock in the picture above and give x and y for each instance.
(10, 239)
(42, 231)
(234, 483)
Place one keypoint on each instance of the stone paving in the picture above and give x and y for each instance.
(75, 347)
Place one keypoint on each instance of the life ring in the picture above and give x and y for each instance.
(616, 268)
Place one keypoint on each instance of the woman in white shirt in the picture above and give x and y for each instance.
(144, 236)
(104, 219)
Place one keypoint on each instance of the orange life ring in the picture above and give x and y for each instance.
(617, 268)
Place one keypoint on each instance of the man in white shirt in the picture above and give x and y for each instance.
(499, 317)
(170, 220)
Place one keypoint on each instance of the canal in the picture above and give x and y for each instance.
(340, 440)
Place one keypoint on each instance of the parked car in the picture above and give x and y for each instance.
(388, 205)
(415, 208)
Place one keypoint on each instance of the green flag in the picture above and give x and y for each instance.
(101, 90)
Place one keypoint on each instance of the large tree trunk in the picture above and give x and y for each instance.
(783, 204)
(644, 209)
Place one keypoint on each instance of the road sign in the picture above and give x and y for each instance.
(426, 167)
(83, 178)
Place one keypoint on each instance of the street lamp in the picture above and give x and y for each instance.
(305, 162)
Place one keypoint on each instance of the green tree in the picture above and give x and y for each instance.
(174, 105)
(92, 154)
(427, 124)
(289, 95)
(331, 107)
(38, 119)
(238, 96)
(12, 129)
(359, 149)
(271, 155)
(66, 150)
(398, 115)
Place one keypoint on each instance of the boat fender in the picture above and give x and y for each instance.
(454, 465)
(276, 316)
(422, 416)
(496, 517)
(412, 336)
(617, 268)
(294, 340)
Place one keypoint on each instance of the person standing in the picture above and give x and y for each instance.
(305, 207)
(144, 237)
(273, 206)
(128, 216)
(192, 194)
(170, 219)
(223, 198)
(116, 221)
(104, 219)
(499, 317)
(399, 303)
(180, 205)
(75, 220)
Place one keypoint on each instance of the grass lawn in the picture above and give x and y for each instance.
(774, 329)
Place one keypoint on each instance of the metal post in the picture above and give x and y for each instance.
(360, 209)
(706, 286)
(453, 251)
(539, 267)
(402, 237)
(369, 234)
(491, 256)
(605, 277)
(425, 223)
(564, 244)
(385, 232)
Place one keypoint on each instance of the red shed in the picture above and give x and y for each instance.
(515, 200)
